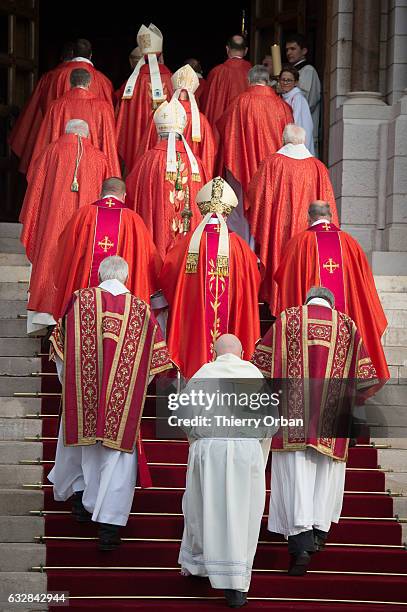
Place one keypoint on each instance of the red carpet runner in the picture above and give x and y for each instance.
(363, 567)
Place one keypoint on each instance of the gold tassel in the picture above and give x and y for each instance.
(75, 185)
(191, 266)
(222, 265)
(196, 139)
(170, 176)
(196, 178)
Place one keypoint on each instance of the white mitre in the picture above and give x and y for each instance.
(170, 118)
(150, 42)
(215, 198)
(187, 79)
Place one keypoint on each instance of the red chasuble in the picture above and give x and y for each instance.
(110, 345)
(79, 103)
(205, 149)
(224, 83)
(205, 305)
(279, 196)
(312, 348)
(200, 91)
(100, 230)
(324, 255)
(250, 129)
(160, 200)
(134, 114)
(49, 204)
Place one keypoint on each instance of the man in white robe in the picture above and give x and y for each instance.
(100, 479)
(224, 499)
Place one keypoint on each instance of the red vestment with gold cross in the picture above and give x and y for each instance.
(324, 255)
(318, 355)
(207, 304)
(106, 227)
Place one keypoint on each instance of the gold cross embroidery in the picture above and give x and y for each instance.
(330, 265)
(106, 244)
(110, 203)
(217, 228)
(326, 226)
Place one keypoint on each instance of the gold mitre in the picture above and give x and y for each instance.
(217, 196)
(185, 78)
(150, 40)
(170, 117)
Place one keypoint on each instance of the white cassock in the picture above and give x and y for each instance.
(224, 498)
(106, 476)
(306, 487)
(310, 85)
(302, 115)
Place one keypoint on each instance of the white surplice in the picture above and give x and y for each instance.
(224, 498)
(310, 85)
(302, 115)
(307, 487)
(106, 476)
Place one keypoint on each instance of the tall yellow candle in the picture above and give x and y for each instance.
(276, 56)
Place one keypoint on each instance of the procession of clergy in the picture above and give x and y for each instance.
(165, 271)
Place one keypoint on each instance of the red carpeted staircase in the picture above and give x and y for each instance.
(364, 566)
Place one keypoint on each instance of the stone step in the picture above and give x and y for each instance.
(18, 429)
(17, 475)
(13, 259)
(22, 582)
(19, 366)
(396, 318)
(396, 482)
(390, 395)
(13, 291)
(396, 355)
(13, 328)
(11, 245)
(21, 557)
(393, 300)
(12, 452)
(13, 274)
(12, 407)
(11, 309)
(21, 528)
(392, 459)
(10, 230)
(400, 507)
(20, 502)
(395, 443)
(394, 336)
(393, 284)
(20, 347)
(18, 384)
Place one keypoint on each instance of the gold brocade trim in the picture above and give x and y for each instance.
(316, 342)
(196, 139)
(191, 266)
(222, 265)
(196, 178)
(365, 360)
(320, 322)
(322, 450)
(170, 176)
(111, 336)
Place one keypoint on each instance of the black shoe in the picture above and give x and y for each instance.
(235, 599)
(109, 538)
(319, 540)
(79, 512)
(299, 564)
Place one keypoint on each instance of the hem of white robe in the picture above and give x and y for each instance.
(37, 321)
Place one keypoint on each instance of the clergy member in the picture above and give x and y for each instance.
(198, 132)
(148, 86)
(279, 195)
(309, 82)
(106, 227)
(224, 498)
(226, 81)
(210, 281)
(325, 255)
(196, 65)
(250, 129)
(165, 180)
(109, 345)
(24, 133)
(134, 57)
(311, 347)
(80, 103)
(67, 175)
(293, 95)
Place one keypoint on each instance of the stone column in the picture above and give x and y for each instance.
(365, 45)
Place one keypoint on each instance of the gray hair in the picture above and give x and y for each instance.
(319, 210)
(114, 268)
(77, 126)
(321, 292)
(294, 134)
(258, 74)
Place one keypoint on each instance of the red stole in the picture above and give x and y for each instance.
(216, 292)
(329, 251)
(106, 237)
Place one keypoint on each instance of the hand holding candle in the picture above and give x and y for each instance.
(276, 55)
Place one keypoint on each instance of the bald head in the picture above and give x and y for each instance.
(114, 186)
(236, 46)
(319, 209)
(134, 57)
(293, 134)
(228, 343)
